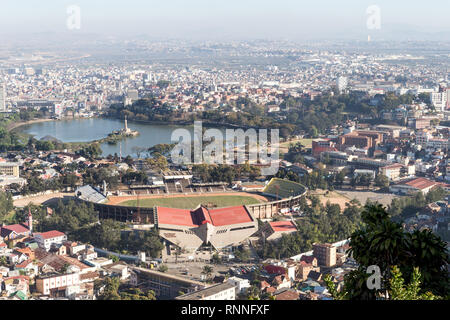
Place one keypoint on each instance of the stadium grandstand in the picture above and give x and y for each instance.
(190, 229)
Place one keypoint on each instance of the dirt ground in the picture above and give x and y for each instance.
(44, 199)
(332, 196)
(363, 196)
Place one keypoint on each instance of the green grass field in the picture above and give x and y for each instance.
(283, 188)
(193, 202)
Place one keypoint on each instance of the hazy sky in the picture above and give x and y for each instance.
(217, 19)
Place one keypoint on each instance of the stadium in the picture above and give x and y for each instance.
(190, 214)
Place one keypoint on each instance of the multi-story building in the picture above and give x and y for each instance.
(438, 144)
(439, 100)
(342, 83)
(325, 254)
(9, 169)
(56, 284)
(392, 171)
(422, 137)
(45, 240)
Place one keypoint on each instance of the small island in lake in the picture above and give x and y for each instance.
(117, 135)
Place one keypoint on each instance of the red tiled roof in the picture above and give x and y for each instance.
(216, 217)
(24, 263)
(287, 295)
(50, 234)
(230, 215)
(393, 166)
(283, 226)
(173, 216)
(17, 228)
(307, 259)
(420, 183)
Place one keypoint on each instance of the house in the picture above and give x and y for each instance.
(74, 247)
(281, 281)
(47, 239)
(304, 269)
(15, 231)
(275, 230)
(59, 250)
(288, 294)
(310, 260)
(120, 270)
(16, 283)
(29, 267)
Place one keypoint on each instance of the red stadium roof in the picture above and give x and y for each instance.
(282, 226)
(230, 215)
(181, 217)
(200, 216)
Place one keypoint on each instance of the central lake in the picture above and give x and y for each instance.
(85, 130)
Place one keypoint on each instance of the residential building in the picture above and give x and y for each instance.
(45, 240)
(325, 254)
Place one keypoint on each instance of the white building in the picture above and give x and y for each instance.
(45, 240)
(342, 83)
(2, 97)
(439, 100)
(240, 284)
(57, 282)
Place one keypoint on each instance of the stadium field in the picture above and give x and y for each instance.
(191, 202)
(283, 188)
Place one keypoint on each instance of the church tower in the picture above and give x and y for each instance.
(30, 221)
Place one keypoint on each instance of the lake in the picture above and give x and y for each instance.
(85, 130)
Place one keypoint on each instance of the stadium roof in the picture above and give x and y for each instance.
(283, 226)
(201, 215)
(90, 194)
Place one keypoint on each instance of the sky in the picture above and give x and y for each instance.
(228, 19)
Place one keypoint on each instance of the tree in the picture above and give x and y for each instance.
(398, 291)
(91, 151)
(207, 271)
(114, 258)
(384, 243)
(216, 258)
(382, 181)
(163, 268)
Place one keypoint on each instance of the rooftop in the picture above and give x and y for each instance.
(195, 218)
(283, 226)
(210, 291)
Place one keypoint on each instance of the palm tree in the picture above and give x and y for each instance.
(207, 271)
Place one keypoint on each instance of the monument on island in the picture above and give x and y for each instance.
(126, 132)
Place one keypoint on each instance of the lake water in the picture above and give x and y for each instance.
(85, 130)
